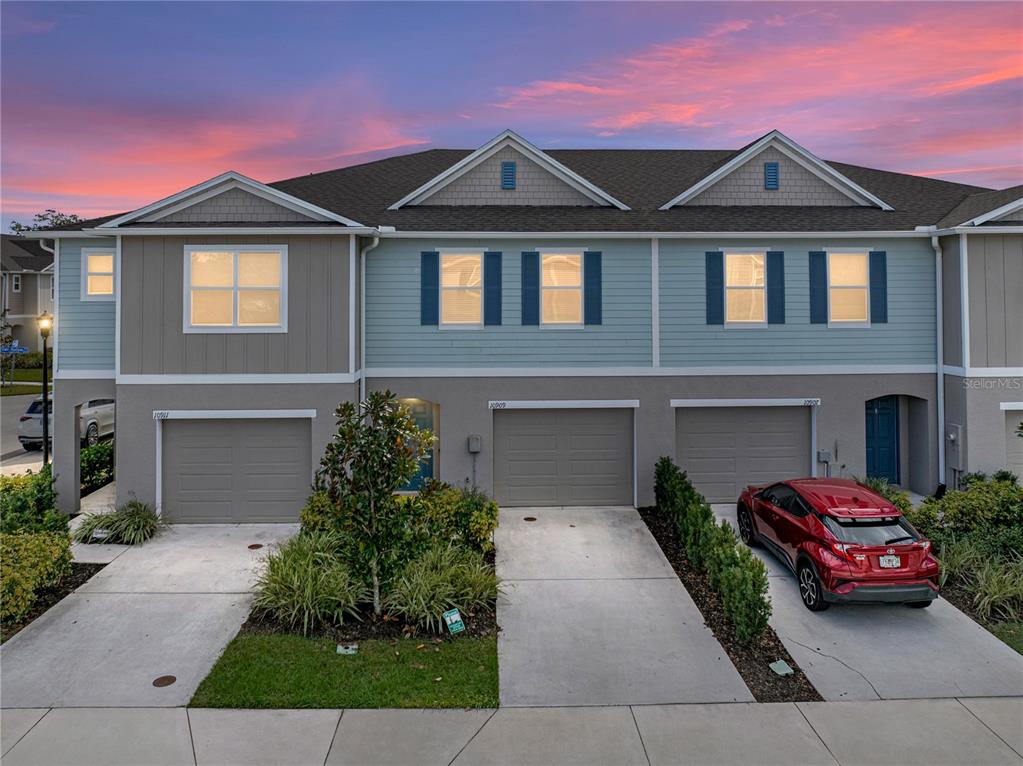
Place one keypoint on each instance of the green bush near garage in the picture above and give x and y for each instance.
(732, 570)
(29, 563)
(890, 492)
(132, 523)
(28, 503)
(97, 466)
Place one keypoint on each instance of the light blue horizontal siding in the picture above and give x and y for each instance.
(907, 338)
(394, 337)
(85, 328)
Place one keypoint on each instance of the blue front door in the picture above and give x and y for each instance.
(883, 438)
(423, 413)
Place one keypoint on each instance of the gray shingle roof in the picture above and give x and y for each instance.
(644, 179)
(22, 254)
(978, 204)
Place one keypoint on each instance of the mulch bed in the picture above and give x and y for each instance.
(47, 598)
(751, 660)
(481, 624)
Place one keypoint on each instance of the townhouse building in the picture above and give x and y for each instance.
(560, 319)
(26, 287)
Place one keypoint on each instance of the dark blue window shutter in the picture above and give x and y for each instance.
(775, 287)
(429, 287)
(818, 287)
(491, 288)
(593, 286)
(507, 175)
(715, 288)
(531, 288)
(878, 287)
(771, 175)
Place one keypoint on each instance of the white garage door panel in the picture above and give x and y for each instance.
(1013, 443)
(563, 457)
(725, 448)
(231, 471)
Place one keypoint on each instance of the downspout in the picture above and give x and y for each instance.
(939, 319)
(362, 314)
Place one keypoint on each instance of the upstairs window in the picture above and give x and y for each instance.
(848, 288)
(746, 288)
(16, 282)
(236, 289)
(97, 274)
(461, 289)
(561, 288)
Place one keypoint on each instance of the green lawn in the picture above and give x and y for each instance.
(1010, 632)
(29, 375)
(285, 671)
(21, 390)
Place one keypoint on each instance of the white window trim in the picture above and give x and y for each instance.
(186, 317)
(582, 288)
(86, 252)
(827, 270)
(15, 283)
(744, 324)
(456, 326)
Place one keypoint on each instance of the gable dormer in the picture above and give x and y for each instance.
(230, 198)
(775, 170)
(508, 170)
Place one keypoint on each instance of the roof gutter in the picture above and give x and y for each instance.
(362, 314)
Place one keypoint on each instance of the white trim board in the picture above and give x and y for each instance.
(235, 180)
(236, 378)
(596, 372)
(796, 153)
(1010, 406)
(85, 375)
(809, 401)
(1010, 207)
(161, 415)
(984, 372)
(528, 150)
(563, 404)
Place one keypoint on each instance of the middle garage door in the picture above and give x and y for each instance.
(563, 457)
(725, 448)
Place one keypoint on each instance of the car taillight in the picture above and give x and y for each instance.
(842, 550)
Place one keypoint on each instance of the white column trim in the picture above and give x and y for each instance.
(352, 249)
(964, 298)
(655, 301)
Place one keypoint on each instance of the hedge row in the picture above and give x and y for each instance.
(30, 562)
(733, 571)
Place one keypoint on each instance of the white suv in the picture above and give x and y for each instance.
(97, 421)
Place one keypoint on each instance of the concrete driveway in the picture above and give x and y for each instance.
(881, 651)
(593, 614)
(13, 457)
(165, 608)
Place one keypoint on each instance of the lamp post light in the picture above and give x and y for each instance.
(45, 325)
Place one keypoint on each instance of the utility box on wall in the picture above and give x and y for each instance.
(954, 447)
(473, 444)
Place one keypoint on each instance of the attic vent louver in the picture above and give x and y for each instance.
(507, 175)
(771, 175)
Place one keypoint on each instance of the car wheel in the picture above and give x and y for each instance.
(746, 532)
(810, 590)
(918, 604)
(92, 435)
(32, 447)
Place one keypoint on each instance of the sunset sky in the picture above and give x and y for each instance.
(108, 106)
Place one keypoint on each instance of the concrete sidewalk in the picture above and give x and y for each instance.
(931, 732)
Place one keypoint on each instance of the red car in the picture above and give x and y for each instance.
(843, 542)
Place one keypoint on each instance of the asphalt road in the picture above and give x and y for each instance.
(14, 459)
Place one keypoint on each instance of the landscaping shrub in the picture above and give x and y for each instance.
(29, 563)
(305, 585)
(732, 570)
(97, 466)
(28, 503)
(133, 523)
(317, 515)
(445, 577)
(465, 515)
(33, 360)
(890, 492)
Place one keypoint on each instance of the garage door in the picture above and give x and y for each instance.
(231, 471)
(1013, 443)
(725, 448)
(563, 457)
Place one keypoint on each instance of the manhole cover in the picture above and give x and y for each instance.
(255, 546)
(164, 681)
(529, 518)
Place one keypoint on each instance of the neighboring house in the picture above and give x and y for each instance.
(561, 319)
(26, 286)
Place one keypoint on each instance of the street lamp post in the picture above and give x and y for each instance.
(45, 325)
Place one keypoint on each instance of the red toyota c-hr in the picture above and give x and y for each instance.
(843, 542)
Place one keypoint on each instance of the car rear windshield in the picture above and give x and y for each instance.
(874, 531)
(35, 408)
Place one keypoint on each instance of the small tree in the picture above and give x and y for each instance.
(376, 449)
(48, 219)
